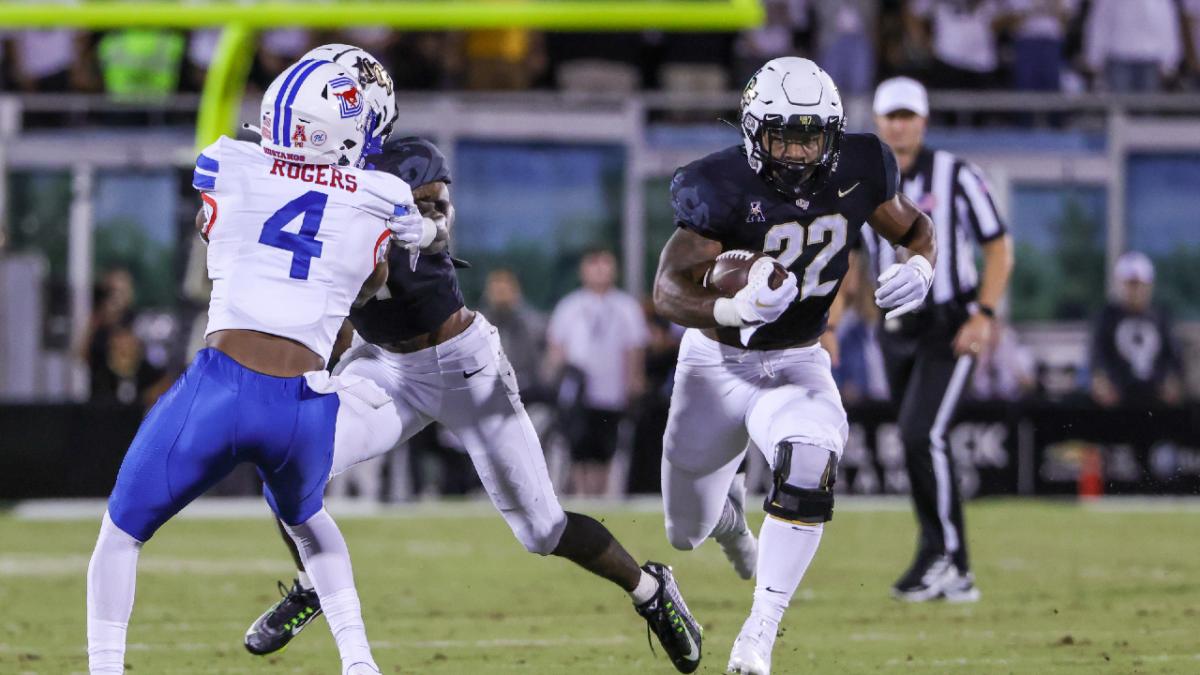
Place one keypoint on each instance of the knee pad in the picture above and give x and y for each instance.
(802, 483)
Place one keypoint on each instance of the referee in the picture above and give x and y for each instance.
(928, 354)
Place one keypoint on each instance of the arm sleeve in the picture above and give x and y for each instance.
(986, 223)
(693, 200)
(208, 168)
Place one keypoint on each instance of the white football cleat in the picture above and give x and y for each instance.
(740, 546)
(751, 653)
(361, 668)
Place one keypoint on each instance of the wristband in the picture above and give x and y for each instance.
(726, 313)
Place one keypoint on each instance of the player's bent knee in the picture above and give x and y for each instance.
(682, 539)
(802, 483)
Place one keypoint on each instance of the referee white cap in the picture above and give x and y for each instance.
(1134, 266)
(901, 93)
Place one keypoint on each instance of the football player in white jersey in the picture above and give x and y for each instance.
(297, 232)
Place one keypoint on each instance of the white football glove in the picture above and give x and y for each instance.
(411, 229)
(902, 287)
(757, 303)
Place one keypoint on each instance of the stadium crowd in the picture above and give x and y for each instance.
(1040, 45)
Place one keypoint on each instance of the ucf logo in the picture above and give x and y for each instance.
(750, 93)
(372, 72)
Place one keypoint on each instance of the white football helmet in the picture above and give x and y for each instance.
(791, 100)
(373, 80)
(314, 113)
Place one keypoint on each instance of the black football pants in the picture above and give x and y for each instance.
(927, 382)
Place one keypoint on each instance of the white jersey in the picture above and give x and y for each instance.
(290, 245)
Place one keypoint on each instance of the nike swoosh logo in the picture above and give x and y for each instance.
(772, 590)
(693, 651)
(846, 192)
(467, 376)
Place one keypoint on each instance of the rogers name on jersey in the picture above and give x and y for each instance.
(319, 174)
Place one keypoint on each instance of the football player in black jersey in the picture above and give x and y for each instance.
(751, 373)
(437, 360)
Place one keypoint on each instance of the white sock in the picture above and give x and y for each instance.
(646, 588)
(784, 553)
(111, 579)
(305, 582)
(327, 561)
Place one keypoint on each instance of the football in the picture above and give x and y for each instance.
(730, 270)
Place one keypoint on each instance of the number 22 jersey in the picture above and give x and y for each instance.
(290, 245)
(721, 198)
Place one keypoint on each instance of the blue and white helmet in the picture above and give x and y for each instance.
(315, 113)
(373, 80)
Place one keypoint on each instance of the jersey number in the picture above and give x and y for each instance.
(788, 240)
(304, 246)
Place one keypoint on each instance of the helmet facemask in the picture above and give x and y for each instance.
(782, 148)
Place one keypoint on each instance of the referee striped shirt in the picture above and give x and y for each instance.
(953, 193)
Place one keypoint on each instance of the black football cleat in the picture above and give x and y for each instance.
(668, 617)
(277, 626)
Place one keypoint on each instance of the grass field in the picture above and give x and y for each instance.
(1066, 589)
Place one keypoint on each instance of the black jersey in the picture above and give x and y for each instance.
(413, 302)
(721, 198)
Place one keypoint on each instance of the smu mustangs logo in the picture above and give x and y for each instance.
(348, 98)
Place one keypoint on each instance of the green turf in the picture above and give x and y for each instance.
(1065, 590)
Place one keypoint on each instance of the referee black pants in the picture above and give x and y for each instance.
(927, 382)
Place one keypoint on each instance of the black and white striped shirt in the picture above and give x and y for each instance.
(953, 193)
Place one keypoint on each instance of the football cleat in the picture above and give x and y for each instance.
(668, 617)
(740, 546)
(961, 588)
(751, 653)
(284, 621)
(925, 579)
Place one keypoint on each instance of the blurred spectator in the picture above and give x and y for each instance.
(777, 36)
(962, 38)
(1134, 358)
(598, 332)
(202, 45)
(141, 63)
(51, 61)
(112, 310)
(662, 350)
(1039, 31)
(1005, 370)
(847, 32)
(423, 61)
(123, 376)
(1133, 46)
(859, 372)
(522, 328)
(503, 59)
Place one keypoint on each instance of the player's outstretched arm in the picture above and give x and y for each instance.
(679, 293)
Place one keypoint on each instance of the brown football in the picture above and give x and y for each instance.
(729, 271)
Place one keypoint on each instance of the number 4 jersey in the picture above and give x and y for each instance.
(290, 245)
(720, 197)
